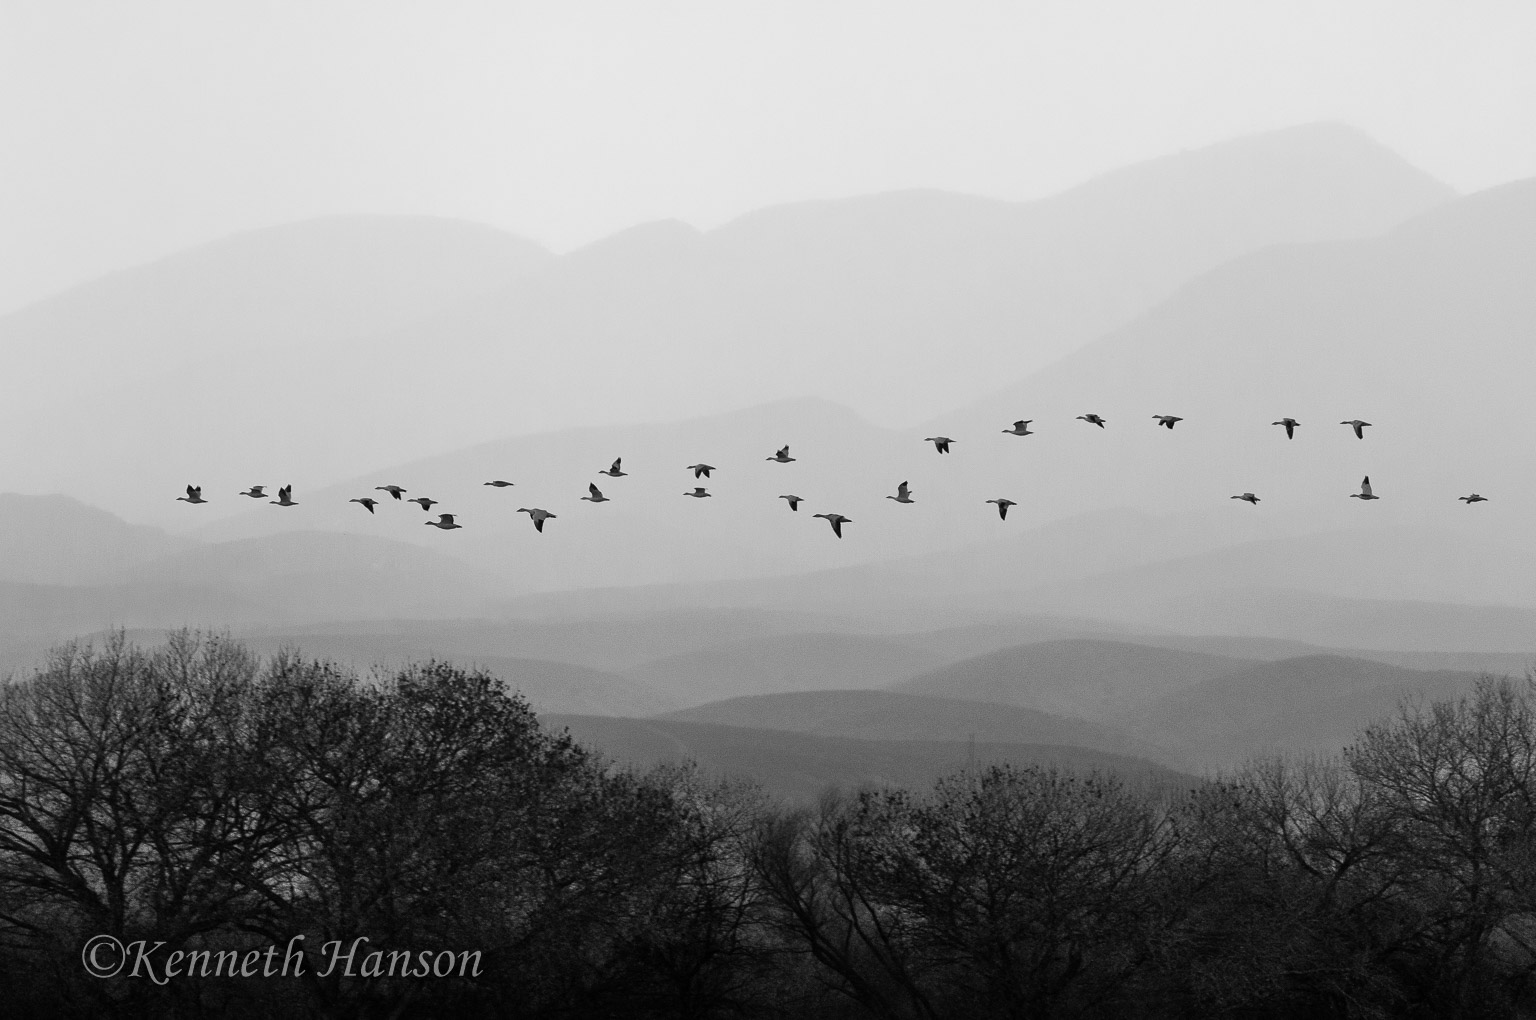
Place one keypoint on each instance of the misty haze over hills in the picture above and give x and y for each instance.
(955, 293)
(1127, 611)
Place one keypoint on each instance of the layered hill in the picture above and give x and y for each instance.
(787, 662)
(225, 356)
(1388, 587)
(1088, 679)
(1422, 331)
(59, 540)
(654, 323)
(800, 767)
(69, 568)
(1308, 705)
(890, 715)
(308, 576)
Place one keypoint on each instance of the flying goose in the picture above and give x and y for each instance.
(537, 516)
(1002, 506)
(614, 471)
(255, 492)
(782, 456)
(284, 497)
(1365, 489)
(1168, 420)
(498, 483)
(1247, 497)
(837, 521)
(393, 490)
(426, 502)
(940, 443)
(1091, 419)
(698, 492)
(794, 501)
(1290, 426)
(368, 502)
(1474, 498)
(903, 495)
(444, 521)
(1020, 428)
(597, 494)
(701, 470)
(194, 495)
(1357, 425)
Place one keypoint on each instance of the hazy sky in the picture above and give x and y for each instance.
(133, 129)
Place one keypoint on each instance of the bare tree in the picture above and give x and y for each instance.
(133, 802)
(1461, 779)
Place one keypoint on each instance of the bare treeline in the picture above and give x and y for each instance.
(200, 801)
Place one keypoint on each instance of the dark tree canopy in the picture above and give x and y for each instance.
(214, 804)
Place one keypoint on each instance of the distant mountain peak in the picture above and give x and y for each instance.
(1319, 147)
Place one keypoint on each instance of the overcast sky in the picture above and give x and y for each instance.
(133, 129)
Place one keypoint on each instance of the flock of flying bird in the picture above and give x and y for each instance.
(702, 470)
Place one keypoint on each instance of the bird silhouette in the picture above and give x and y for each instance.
(1474, 498)
(794, 501)
(194, 495)
(1002, 506)
(614, 471)
(701, 470)
(1365, 490)
(698, 493)
(903, 495)
(255, 492)
(1248, 497)
(1091, 419)
(444, 521)
(368, 502)
(940, 443)
(597, 494)
(537, 515)
(393, 490)
(1358, 426)
(782, 456)
(498, 483)
(284, 497)
(1167, 420)
(837, 521)
(426, 502)
(1290, 426)
(1020, 428)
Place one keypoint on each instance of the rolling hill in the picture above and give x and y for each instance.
(1312, 704)
(800, 767)
(548, 685)
(35, 615)
(308, 576)
(289, 382)
(54, 539)
(889, 715)
(1423, 331)
(1383, 562)
(219, 357)
(1096, 680)
(786, 662)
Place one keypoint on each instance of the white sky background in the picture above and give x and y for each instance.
(131, 129)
